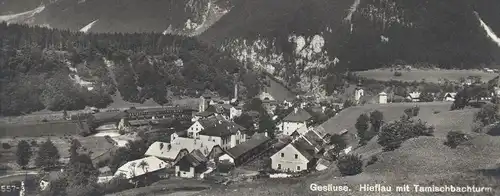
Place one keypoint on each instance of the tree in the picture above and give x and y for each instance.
(362, 125)
(119, 157)
(339, 143)
(244, 120)
(487, 115)
(48, 155)
(348, 103)
(426, 96)
(81, 171)
(23, 153)
(394, 134)
(455, 138)
(350, 165)
(376, 119)
(56, 187)
(267, 125)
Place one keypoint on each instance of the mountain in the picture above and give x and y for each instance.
(43, 68)
(187, 17)
(306, 43)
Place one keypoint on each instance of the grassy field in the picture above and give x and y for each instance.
(422, 160)
(96, 145)
(428, 75)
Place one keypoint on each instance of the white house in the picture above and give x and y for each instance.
(142, 166)
(294, 120)
(295, 157)
(414, 96)
(358, 93)
(234, 112)
(246, 150)
(382, 98)
(449, 96)
(225, 134)
(301, 154)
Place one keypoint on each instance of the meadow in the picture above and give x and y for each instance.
(431, 75)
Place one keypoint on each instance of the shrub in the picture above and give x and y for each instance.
(6, 146)
(398, 74)
(455, 138)
(372, 160)
(395, 133)
(412, 112)
(350, 165)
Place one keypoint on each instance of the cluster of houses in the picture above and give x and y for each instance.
(214, 138)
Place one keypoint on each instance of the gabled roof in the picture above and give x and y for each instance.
(222, 128)
(304, 148)
(313, 138)
(162, 150)
(140, 167)
(256, 141)
(194, 159)
(191, 144)
(205, 114)
(298, 115)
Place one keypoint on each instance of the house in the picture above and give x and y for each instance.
(246, 151)
(414, 96)
(358, 93)
(190, 144)
(215, 152)
(226, 134)
(166, 151)
(163, 112)
(300, 131)
(202, 115)
(47, 178)
(323, 164)
(297, 156)
(450, 96)
(140, 167)
(204, 103)
(190, 165)
(382, 98)
(235, 111)
(296, 119)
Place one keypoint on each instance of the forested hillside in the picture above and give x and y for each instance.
(45, 68)
(306, 42)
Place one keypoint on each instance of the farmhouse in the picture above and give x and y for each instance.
(247, 150)
(301, 154)
(190, 144)
(140, 167)
(296, 119)
(297, 156)
(191, 165)
(221, 132)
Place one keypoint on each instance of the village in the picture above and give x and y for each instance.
(221, 140)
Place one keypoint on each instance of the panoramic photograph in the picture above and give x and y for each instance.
(249, 97)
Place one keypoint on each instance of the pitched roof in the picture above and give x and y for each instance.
(304, 148)
(194, 159)
(191, 144)
(257, 140)
(222, 128)
(298, 115)
(136, 168)
(161, 150)
(205, 113)
(313, 138)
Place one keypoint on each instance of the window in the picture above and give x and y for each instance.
(296, 156)
(279, 166)
(282, 154)
(298, 168)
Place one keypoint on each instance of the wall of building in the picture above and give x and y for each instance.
(289, 127)
(289, 162)
(226, 157)
(205, 138)
(195, 129)
(264, 95)
(233, 113)
(184, 174)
